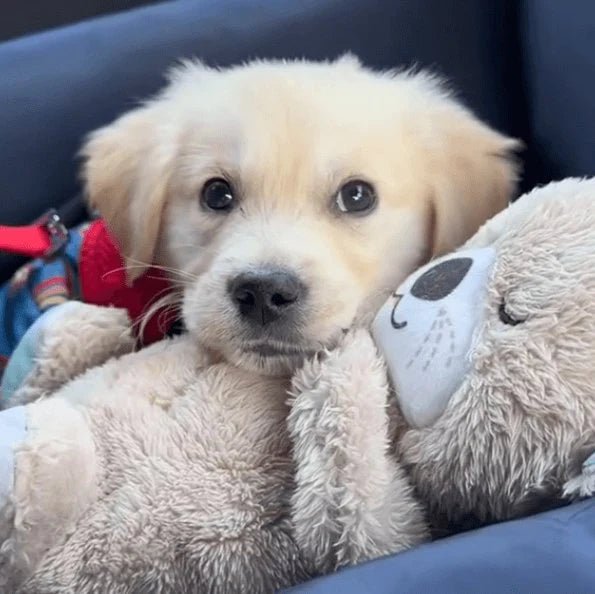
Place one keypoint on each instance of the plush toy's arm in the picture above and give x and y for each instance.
(52, 474)
(70, 339)
(352, 500)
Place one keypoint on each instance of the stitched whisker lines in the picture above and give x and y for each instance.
(441, 330)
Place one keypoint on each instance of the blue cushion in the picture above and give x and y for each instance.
(559, 50)
(548, 553)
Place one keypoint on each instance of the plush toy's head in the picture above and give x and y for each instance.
(491, 351)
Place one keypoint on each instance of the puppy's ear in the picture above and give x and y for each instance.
(126, 173)
(349, 60)
(474, 176)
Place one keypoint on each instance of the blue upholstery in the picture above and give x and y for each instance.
(552, 553)
(526, 66)
(57, 86)
(559, 54)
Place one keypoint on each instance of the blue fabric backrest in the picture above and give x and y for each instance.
(57, 86)
(551, 553)
(558, 44)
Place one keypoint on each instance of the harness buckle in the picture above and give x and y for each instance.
(56, 230)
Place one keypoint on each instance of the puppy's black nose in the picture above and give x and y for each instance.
(263, 297)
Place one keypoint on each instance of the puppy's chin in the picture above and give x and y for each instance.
(271, 358)
(280, 364)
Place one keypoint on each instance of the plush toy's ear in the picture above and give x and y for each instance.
(126, 173)
(473, 176)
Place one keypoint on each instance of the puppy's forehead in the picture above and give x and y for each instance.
(299, 133)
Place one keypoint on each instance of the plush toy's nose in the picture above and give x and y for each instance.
(435, 284)
(263, 297)
(425, 331)
(441, 280)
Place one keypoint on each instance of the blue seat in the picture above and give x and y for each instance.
(550, 553)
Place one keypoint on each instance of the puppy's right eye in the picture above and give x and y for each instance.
(356, 197)
(217, 194)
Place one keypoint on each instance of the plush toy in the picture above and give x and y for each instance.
(164, 471)
(492, 354)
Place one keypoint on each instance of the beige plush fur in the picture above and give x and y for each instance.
(163, 471)
(287, 135)
(57, 362)
(523, 421)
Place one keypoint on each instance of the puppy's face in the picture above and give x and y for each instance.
(292, 196)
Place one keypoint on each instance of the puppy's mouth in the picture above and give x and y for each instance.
(269, 350)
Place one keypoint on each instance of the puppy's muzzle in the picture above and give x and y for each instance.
(265, 297)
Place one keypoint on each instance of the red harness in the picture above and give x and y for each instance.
(102, 275)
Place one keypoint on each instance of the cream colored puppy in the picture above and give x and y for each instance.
(288, 198)
(294, 195)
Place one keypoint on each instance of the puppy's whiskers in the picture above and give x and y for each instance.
(167, 305)
(168, 269)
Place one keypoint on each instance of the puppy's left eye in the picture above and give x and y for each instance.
(356, 197)
(217, 195)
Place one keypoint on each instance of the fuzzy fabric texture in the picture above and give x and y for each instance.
(165, 472)
(523, 420)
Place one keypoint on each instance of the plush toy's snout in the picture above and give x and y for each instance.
(426, 330)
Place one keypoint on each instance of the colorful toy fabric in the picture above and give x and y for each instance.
(88, 268)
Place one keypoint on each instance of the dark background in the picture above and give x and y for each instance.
(18, 17)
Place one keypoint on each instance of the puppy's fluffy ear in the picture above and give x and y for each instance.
(126, 173)
(474, 176)
(349, 60)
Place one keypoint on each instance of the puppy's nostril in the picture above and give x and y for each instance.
(245, 297)
(282, 299)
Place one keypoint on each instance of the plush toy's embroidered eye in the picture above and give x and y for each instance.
(217, 194)
(356, 197)
(507, 318)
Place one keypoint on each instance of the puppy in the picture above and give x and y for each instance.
(288, 198)
(285, 199)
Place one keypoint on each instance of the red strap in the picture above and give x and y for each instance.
(32, 240)
(43, 238)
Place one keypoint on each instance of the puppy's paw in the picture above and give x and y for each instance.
(582, 485)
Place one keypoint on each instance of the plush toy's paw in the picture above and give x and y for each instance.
(353, 362)
(582, 485)
(66, 341)
(338, 425)
(53, 469)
